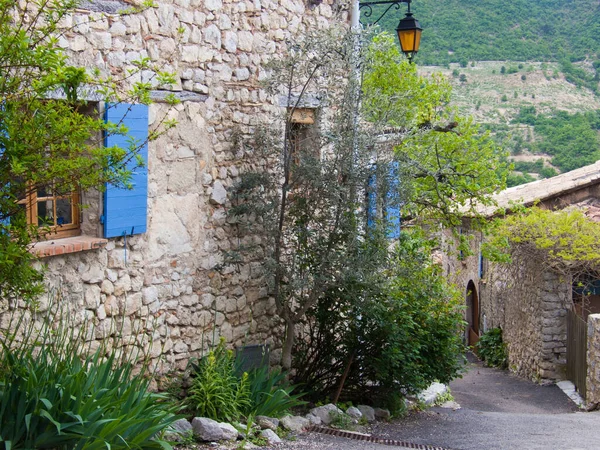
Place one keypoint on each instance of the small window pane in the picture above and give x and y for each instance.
(64, 214)
(46, 213)
(43, 192)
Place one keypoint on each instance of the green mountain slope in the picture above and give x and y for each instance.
(500, 30)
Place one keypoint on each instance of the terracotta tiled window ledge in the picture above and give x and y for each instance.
(63, 246)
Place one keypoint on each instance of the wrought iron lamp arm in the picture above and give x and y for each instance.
(368, 10)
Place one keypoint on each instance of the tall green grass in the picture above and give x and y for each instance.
(55, 393)
(221, 391)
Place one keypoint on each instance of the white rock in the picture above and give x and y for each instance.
(94, 274)
(210, 430)
(118, 29)
(271, 436)
(107, 287)
(219, 194)
(354, 412)
(367, 412)
(92, 296)
(245, 41)
(294, 423)
(150, 294)
(430, 395)
(212, 35)
(325, 412)
(213, 5)
(230, 42)
(314, 420)
(242, 73)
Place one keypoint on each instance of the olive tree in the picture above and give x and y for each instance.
(370, 108)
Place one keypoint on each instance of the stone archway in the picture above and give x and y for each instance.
(472, 301)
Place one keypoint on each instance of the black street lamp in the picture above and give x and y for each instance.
(408, 29)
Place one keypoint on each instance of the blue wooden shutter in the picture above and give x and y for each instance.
(125, 210)
(392, 210)
(5, 222)
(371, 201)
(481, 268)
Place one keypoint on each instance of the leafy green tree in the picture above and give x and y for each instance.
(306, 208)
(54, 145)
(522, 30)
(448, 165)
(566, 242)
(391, 332)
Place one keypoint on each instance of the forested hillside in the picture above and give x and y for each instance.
(528, 70)
(500, 30)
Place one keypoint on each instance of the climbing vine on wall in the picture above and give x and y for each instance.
(565, 241)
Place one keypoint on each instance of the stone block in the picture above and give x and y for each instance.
(294, 423)
(326, 412)
(219, 194)
(271, 437)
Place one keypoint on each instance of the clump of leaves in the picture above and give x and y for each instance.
(443, 398)
(392, 332)
(216, 391)
(53, 394)
(492, 350)
(270, 394)
(555, 238)
(341, 420)
(220, 391)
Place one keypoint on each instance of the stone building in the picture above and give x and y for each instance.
(148, 261)
(533, 308)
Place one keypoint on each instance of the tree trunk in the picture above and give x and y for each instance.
(288, 345)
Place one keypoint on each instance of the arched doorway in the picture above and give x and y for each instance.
(472, 314)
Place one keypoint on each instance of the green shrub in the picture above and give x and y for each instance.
(492, 350)
(216, 391)
(391, 332)
(54, 395)
(270, 394)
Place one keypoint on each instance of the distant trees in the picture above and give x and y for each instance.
(522, 30)
(571, 139)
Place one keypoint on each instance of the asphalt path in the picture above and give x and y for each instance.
(498, 411)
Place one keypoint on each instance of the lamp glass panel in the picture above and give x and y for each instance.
(408, 40)
(417, 40)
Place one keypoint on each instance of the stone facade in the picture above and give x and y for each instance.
(529, 305)
(167, 287)
(593, 362)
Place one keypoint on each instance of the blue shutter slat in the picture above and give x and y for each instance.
(4, 133)
(371, 201)
(392, 210)
(125, 210)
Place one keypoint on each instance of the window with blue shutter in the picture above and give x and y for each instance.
(392, 204)
(371, 201)
(125, 210)
(5, 221)
(481, 268)
(389, 200)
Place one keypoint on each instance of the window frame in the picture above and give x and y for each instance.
(31, 200)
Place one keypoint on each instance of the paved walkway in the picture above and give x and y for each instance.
(503, 412)
(498, 412)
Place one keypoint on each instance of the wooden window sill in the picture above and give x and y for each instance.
(55, 247)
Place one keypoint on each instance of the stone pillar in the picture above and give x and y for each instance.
(593, 362)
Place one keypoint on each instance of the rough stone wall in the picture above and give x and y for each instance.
(593, 362)
(529, 305)
(166, 286)
(459, 270)
(535, 327)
